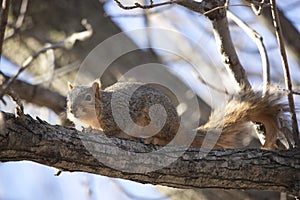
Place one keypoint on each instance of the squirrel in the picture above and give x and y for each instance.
(92, 106)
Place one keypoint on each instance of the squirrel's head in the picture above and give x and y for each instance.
(82, 103)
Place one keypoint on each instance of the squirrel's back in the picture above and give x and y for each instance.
(126, 101)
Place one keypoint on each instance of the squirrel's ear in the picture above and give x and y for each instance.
(96, 86)
(70, 86)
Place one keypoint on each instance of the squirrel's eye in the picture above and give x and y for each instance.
(88, 97)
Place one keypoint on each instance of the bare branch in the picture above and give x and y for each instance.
(225, 7)
(260, 3)
(19, 20)
(39, 95)
(152, 5)
(229, 56)
(288, 82)
(19, 110)
(216, 12)
(290, 32)
(67, 43)
(64, 148)
(22, 13)
(149, 12)
(260, 45)
(258, 6)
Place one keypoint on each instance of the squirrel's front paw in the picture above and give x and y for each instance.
(87, 129)
(152, 140)
(148, 140)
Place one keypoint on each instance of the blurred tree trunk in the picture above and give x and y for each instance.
(52, 21)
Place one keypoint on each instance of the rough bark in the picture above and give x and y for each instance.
(63, 148)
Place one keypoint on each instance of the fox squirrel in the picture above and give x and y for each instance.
(92, 106)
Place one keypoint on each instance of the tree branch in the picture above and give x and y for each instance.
(39, 95)
(229, 56)
(286, 70)
(216, 12)
(64, 148)
(66, 43)
(290, 33)
(138, 5)
(257, 38)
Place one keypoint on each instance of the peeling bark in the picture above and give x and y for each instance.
(64, 148)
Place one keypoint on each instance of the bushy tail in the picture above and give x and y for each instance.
(236, 125)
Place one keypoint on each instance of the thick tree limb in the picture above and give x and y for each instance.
(63, 148)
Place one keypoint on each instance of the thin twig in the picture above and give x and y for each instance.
(19, 20)
(234, 5)
(260, 45)
(67, 43)
(287, 77)
(51, 66)
(260, 3)
(224, 7)
(288, 91)
(152, 5)
(150, 12)
(171, 2)
(21, 16)
(257, 8)
(19, 109)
